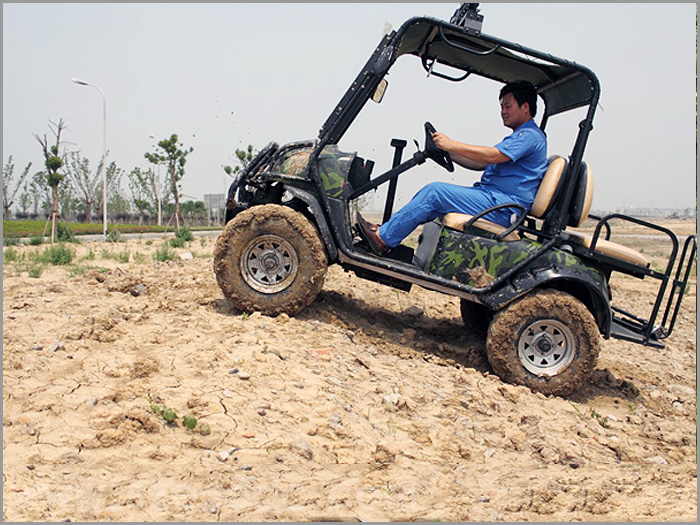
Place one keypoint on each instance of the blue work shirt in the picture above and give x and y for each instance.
(518, 179)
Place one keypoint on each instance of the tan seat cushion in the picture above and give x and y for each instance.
(611, 249)
(457, 221)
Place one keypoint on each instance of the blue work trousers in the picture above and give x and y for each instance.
(439, 198)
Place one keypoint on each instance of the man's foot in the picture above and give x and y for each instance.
(370, 233)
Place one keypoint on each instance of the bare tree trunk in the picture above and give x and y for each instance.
(54, 212)
(178, 214)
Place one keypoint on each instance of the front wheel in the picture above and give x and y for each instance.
(548, 341)
(270, 259)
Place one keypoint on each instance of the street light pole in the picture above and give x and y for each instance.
(158, 192)
(104, 150)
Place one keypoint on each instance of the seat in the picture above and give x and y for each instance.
(579, 209)
(608, 248)
(543, 202)
(578, 213)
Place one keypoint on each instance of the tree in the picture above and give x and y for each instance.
(33, 193)
(194, 210)
(8, 196)
(244, 157)
(170, 154)
(143, 191)
(85, 184)
(24, 201)
(53, 162)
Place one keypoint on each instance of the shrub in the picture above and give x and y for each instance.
(35, 271)
(182, 236)
(184, 233)
(10, 255)
(177, 242)
(36, 240)
(58, 255)
(164, 253)
(64, 234)
(114, 236)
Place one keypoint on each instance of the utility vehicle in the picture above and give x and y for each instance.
(541, 286)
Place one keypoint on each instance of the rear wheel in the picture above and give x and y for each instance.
(548, 341)
(270, 259)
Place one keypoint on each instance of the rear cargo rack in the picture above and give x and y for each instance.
(630, 327)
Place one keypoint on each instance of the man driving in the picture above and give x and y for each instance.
(512, 172)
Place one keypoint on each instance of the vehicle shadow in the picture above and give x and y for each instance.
(603, 383)
(445, 338)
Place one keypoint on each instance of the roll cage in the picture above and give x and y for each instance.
(562, 85)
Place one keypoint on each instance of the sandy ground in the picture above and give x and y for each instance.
(371, 404)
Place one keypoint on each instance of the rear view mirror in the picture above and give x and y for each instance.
(379, 92)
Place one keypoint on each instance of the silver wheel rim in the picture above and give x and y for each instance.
(546, 347)
(269, 264)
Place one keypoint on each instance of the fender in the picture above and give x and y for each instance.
(588, 287)
(312, 202)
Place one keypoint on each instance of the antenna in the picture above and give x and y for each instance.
(468, 17)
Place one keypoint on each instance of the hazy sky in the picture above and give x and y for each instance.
(223, 76)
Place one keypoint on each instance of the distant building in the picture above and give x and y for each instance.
(214, 201)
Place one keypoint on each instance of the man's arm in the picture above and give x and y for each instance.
(479, 154)
(468, 163)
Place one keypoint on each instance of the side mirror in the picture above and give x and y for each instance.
(379, 92)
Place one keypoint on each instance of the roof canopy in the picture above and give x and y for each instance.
(563, 85)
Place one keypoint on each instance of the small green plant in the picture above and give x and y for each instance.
(123, 257)
(602, 420)
(139, 258)
(114, 236)
(202, 242)
(35, 271)
(182, 236)
(89, 256)
(164, 253)
(149, 242)
(177, 242)
(189, 421)
(170, 416)
(10, 255)
(167, 413)
(184, 233)
(36, 240)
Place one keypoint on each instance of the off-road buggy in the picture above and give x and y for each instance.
(541, 286)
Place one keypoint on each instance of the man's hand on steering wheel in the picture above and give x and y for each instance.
(433, 152)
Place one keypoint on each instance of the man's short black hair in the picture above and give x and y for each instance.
(523, 92)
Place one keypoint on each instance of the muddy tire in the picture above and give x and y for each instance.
(270, 259)
(547, 341)
(476, 316)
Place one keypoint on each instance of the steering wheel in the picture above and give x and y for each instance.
(440, 156)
